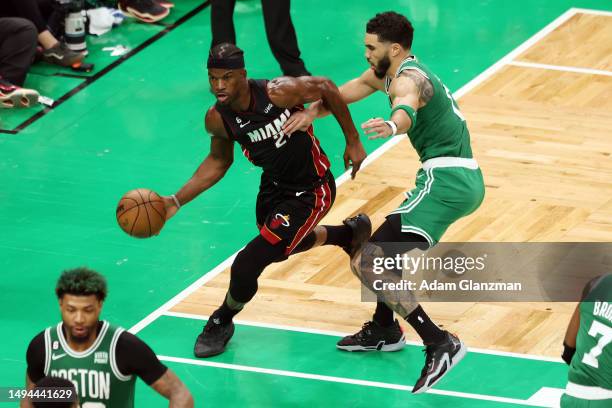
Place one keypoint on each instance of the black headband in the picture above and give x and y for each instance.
(234, 62)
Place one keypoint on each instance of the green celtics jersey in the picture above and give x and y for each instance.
(592, 362)
(94, 372)
(440, 128)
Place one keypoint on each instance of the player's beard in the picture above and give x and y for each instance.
(380, 70)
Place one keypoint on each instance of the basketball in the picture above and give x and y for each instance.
(141, 213)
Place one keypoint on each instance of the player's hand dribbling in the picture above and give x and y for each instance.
(354, 155)
(377, 127)
(298, 121)
(170, 206)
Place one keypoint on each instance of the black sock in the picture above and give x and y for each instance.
(425, 328)
(224, 313)
(383, 315)
(340, 235)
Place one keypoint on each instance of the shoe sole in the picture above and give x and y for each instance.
(456, 359)
(57, 59)
(385, 347)
(146, 17)
(19, 99)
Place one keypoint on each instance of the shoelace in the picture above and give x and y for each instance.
(365, 330)
(428, 359)
(210, 327)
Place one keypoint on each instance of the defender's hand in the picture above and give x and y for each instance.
(298, 121)
(354, 155)
(377, 128)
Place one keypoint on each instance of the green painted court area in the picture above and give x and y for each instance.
(291, 353)
(141, 125)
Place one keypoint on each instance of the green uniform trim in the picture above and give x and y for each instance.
(441, 196)
(409, 111)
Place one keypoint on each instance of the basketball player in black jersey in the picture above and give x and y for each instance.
(297, 188)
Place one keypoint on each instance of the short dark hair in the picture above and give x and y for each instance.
(56, 383)
(391, 27)
(225, 50)
(81, 282)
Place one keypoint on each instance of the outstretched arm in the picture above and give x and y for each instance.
(212, 169)
(289, 92)
(409, 92)
(354, 90)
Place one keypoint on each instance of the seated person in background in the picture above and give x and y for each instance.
(17, 49)
(39, 12)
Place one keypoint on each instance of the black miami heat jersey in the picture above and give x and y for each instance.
(294, 162)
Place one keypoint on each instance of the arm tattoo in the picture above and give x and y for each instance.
(422, 83)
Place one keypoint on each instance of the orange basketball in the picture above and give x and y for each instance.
(141, 213)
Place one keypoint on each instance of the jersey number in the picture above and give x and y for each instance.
(280, 140)
(454, 104)
(590, 358)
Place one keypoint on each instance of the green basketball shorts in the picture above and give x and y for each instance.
(447, 188)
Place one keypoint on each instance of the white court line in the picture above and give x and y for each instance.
(592, 11)
(183, 294)
(514, 53)
(377, 384)
(260, 324)
(548, 396)
(341, 334)
(562, 68)
(375, 154)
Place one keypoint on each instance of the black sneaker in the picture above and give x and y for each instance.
(148, 11)
(61, 55)
(12, 96)
(439, 360)
(214, 338)
(374, 337)
(362, 229)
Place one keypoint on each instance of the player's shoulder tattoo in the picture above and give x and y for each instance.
(422, 83)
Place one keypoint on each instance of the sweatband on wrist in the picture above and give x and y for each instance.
(393, 127)
(409, 111)
(176, 201)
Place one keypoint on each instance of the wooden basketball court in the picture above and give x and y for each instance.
(540, 128)
(540, 119)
